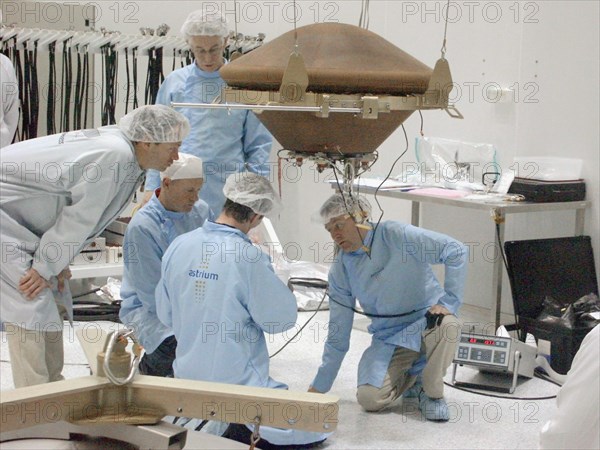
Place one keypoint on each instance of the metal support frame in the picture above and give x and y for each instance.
(94, 400)
(366, 106)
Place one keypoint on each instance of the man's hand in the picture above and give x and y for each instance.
(312, 389)
(32, 284)
(439, 309)
(64, 275)
(435, 315)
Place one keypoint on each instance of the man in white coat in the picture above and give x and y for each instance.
(57, 193)
(576, 423)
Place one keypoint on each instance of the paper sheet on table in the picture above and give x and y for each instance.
(440, 192)
(375, 182)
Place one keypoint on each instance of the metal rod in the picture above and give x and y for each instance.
(264, 107)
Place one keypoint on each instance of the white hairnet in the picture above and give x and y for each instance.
(199, 23)
(338, 205)
(187, 166)
(154, 123)
(253, 191)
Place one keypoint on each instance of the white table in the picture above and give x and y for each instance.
(96, 270)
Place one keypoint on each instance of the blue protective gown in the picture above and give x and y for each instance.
(227, 141)
(147, 237)
(219, 294)
(396, 279)
(57, 193)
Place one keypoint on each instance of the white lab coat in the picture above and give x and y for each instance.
(577, 422)
(56, 194)
(9, 111)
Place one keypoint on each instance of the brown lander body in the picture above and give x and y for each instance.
(346, 68)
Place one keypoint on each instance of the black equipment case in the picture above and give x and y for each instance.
(548, 191)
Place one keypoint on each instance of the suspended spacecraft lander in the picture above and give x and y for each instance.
(340, 93)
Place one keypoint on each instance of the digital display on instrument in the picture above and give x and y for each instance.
(484, 341)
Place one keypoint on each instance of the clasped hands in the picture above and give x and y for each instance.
(32, 283)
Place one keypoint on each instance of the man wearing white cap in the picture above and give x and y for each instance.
(174, 209)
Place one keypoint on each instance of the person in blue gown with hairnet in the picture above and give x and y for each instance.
(219, 294)
(226, 141)
(413, 317)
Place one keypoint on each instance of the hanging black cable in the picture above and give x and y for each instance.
(67, 85)
(77, 100)
(113, 77)
(85, 82)
(109, 83)
(174, 59)
(27, 83)
(35, 97)
(135, 77)
(61, 126)
(154, 76)
(21, 81)
(149, 74)
(50, 106)
(160, 76)
(127, 75)
(25, 90)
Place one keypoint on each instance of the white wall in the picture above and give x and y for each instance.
(546, 50)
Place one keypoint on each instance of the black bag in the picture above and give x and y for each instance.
(583, 309)
(574, 315)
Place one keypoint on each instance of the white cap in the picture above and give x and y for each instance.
(187, 166)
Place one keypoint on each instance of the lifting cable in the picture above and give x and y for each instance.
(363, 21)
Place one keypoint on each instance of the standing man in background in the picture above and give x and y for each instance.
(226, 141)
(174, 209)
(57, 193)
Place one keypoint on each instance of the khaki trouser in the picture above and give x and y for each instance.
(36, 357)
(440, 346)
